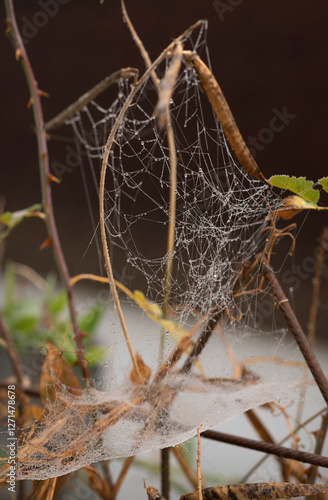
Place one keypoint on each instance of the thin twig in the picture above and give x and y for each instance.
(12, 351)
(316, 287)
(318, 447)
(44, 177)
(178, 453)
(139, 44)
(199, 473)
(70, 111)
(273, 449)
(294, 326)
(127, 463)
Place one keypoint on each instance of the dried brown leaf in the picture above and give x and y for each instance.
(144, 370)
(258, 491)
(55, 369)
(153, 494)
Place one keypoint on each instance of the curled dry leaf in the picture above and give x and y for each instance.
(292, 205)
(56, 370)
(258, 491)
(144, 370)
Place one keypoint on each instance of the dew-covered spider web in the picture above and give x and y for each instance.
(220, 225)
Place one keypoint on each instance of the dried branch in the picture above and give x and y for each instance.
(272, 449)
(70, 111)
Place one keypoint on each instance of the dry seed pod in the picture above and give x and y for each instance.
(225, 117)
(258, 491)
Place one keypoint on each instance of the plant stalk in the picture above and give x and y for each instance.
(35, 99)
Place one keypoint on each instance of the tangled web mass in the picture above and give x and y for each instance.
(220, 216)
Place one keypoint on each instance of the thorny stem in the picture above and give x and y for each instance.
(294, 326)
(44, 177)
(272, 449)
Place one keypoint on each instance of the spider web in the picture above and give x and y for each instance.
(220, 216)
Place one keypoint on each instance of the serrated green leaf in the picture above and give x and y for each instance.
(324, 183)
(298, 185)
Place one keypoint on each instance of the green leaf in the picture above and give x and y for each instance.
(324, 183)
(90, 319)
(58, 302)
(12, 219)
(95, 354)
(297, 185)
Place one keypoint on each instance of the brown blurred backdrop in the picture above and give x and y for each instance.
(266, 55)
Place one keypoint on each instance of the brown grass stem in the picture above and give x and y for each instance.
(184, 464)
(44, 176)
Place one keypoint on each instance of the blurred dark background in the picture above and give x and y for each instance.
(265, 55)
